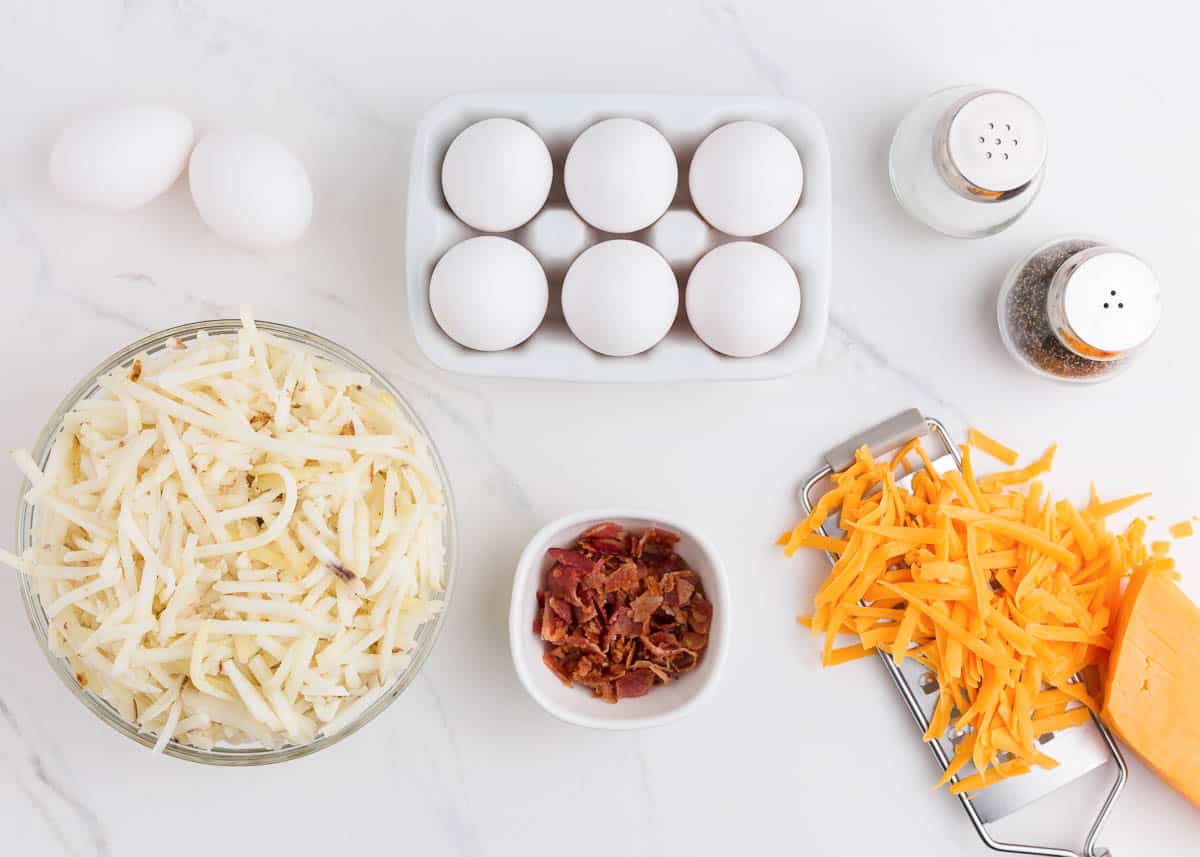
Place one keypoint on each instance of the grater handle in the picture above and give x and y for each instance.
(888, 434)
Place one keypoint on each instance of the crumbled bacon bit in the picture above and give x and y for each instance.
(645, 605)
(621, 612)
(556, 667)
(135, 371)
(624, 579)
(259, 420)
(635, 683)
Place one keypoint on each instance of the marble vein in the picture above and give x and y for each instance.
(651, 837)
(210, 309)
(27, 237)
(44, 282)
(52, 799)
(503, 477)
(460, 808)
(728, 18)
(864, 345)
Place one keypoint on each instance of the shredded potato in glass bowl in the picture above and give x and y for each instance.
(236, 542)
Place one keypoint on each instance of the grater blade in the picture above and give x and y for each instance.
(1078, 750)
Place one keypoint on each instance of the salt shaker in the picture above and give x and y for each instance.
(1078, 310)
(968, 161)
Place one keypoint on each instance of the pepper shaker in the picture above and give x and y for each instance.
(968, 161)
(1078, 310)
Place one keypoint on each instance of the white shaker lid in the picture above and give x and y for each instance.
(994, 145)
(1110, 299)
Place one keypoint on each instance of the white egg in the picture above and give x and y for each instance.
(621, 175)
(746, 178)
(742, 299)
(496, 175)
(121, 159)
(620, 297)
(488, 293)
(250, 189)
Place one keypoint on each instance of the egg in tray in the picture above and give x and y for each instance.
(606, 238)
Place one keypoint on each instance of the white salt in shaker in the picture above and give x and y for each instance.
(1078, 310)
(968, 161)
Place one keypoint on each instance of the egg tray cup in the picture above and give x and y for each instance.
(557, 235)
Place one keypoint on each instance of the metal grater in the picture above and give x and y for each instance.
(1079, 750)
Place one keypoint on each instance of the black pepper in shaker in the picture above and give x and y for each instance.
(1078, 310)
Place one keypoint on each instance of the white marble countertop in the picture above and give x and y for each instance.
(786, 756)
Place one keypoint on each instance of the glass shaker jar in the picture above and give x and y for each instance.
(968, 161)
(1078, 310)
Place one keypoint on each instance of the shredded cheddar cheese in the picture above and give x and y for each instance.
(1182, 530)
(992, 447)
(1004, 594)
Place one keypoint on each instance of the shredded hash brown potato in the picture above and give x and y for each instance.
(1006, 596)
(236, 541)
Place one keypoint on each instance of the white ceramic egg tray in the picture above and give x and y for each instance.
(557, 235)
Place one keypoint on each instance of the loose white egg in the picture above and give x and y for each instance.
(496, 175)
(488, 293)
(121, 159)
(620, 297)
(250, 189)
(742, 299)
(746, 178)
(621, 175)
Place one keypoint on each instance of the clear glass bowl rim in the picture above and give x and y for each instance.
(231, 756)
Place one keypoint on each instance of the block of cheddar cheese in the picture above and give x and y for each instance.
(1152, 691)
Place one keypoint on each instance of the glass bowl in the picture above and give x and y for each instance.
(241, 754)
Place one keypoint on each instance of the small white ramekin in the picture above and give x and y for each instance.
(664, 703)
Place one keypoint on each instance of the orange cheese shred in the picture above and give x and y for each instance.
(1182, 530)
(1055, 722)
(1112, 507)
(991, 776)
(849, 653)
(1004, 594)
(992, 447)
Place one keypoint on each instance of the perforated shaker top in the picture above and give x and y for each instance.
(1110, 299)
(995, 144)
